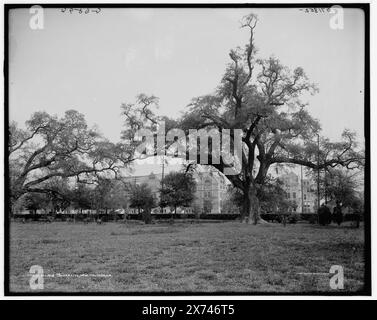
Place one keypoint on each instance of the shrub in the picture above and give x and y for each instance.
(292, 218)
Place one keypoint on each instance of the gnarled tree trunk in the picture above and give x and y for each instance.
(146, 215)
(254, 212)
(246, 204)
(250, 212)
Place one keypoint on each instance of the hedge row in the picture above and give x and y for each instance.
(292, 217)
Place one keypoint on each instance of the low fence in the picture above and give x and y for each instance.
(86, 217)
(117, 216)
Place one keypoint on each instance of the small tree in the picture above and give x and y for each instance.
(141, 197)
(81, 197)
(230, 202)
(59, 192)
(177, 190)
(118, 196)
(102, 194)
(341, 185)
(273, 196)
(36, 201)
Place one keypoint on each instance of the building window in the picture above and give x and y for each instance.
(294, 195)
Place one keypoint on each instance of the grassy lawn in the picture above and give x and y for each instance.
(185, 257)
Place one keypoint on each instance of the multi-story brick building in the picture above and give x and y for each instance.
(211, 189)
(301, 192)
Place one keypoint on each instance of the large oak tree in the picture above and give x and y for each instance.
(50, 147)
(263, 98)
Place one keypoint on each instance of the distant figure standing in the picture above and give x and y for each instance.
(338, 215)
(358, 217)
(327, 214)
(324, 215)
(321, 215)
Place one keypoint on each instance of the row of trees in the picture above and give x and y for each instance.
(108, 195)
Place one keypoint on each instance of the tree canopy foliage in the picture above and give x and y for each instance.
(178, 189)
(337, 184)
(141, 196)
(51, 147)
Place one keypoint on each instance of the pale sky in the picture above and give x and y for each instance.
(95, 62)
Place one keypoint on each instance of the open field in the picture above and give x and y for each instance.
(184, 257)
